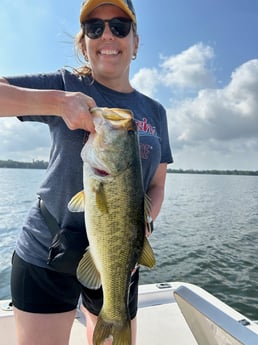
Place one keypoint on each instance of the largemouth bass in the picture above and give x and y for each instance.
(116, 210)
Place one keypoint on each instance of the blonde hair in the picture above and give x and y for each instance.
(85, 69)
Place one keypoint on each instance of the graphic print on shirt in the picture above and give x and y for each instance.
(145, 130)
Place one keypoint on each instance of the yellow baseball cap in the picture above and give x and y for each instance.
(89, 5)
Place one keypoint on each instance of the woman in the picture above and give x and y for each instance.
(45, 300)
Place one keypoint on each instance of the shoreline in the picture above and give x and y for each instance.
(40, 164)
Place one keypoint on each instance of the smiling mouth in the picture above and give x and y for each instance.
(109, 52)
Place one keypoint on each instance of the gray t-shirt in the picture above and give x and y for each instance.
(63, 178)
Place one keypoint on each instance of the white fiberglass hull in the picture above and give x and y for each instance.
(169, 313)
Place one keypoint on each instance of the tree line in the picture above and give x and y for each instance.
(214, 172)
(35, 164)
(40, 164)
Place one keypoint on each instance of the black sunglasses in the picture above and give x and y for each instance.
(120, 27)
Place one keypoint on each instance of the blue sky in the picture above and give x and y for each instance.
(199, 58)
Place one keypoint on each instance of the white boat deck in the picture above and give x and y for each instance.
(160, 320)
(152, 328)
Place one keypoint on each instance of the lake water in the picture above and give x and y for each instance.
(206, 233)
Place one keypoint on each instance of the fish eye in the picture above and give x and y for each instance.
(130, 131)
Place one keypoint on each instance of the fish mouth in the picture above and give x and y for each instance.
(100, 172)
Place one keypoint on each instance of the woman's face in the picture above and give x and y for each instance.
(109, 56)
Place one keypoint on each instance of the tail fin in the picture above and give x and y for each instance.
(119, 332)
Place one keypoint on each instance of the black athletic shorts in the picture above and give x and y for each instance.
(40, 290)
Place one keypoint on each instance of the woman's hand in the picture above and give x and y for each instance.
(73, 107)
(75, 111)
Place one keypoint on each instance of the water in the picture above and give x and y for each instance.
(206, 233)
(17, 192)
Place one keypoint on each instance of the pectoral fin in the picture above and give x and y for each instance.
(147, 257)
(147, 206)
(147, 209)
(77, 203)
(87, 273)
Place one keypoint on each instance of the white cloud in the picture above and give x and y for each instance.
(213, 124)
(189, 69)
(23, 141)
(242, 91)
(216, 155)
(221, 114)
(219, 127)
(147, 81)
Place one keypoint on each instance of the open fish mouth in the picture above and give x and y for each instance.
(100, 172)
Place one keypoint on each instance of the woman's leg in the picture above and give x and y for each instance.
(45, 303)
(43, 329)
(91, 321)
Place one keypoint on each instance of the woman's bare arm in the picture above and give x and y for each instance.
(73, 107)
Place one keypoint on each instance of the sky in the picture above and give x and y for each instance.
(198, 58)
